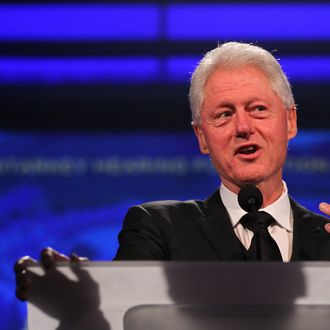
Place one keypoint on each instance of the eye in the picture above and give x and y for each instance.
(223, 114)
(259, 111)
(220, 117)
(259, 108)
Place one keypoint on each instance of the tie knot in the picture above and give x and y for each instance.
(263, 220)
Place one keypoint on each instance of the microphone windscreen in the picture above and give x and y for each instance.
(250, 198)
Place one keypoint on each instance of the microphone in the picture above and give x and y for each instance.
(250, 199)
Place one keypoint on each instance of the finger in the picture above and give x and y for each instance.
(327, 227)
(76, 258)
(24, 277)
(49, 256)
(21, 294)
(325, 208)
(22, 263)
(23, 282)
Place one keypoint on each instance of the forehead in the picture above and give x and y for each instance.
(239, 85)
(236, 79)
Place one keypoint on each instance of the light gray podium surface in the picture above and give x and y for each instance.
(182, 295)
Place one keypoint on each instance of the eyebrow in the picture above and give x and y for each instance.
(257, 99)
(227, 104)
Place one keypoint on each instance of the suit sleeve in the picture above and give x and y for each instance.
(141, 237)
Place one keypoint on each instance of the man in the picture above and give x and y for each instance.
(244, 116)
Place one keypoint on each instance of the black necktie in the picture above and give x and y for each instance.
(268, 249)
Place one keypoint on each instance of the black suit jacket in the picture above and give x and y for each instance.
(202, 230)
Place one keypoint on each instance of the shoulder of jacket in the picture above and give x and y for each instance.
(305, 213)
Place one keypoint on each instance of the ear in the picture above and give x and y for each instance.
(201, 139)
(292, 122)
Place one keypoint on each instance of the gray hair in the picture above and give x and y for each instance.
(235, 55)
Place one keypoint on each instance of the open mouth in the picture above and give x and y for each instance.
(247, 150)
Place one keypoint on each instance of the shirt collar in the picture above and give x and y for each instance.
(279, 210)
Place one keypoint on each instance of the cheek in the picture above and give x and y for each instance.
(277, 133)
(281, 136)
(277, 149)
(219, 151)
(216, 144)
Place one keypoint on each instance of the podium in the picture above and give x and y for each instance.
(181, 295)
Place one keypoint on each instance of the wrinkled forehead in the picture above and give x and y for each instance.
(236, 80)
(234, 73)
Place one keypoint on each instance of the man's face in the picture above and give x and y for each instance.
(245, 127)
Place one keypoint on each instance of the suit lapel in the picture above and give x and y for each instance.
(308, 236)
(218, 229)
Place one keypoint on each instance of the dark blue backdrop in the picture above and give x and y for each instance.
(121, 66)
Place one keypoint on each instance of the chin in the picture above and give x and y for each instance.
(244, 183)
(251, 172)
(252, 179)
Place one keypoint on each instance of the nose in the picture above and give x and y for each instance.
(243, 128)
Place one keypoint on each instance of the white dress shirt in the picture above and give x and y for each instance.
(280, 210)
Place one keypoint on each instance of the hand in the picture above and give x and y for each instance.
(74, 303)
(325, 208)
(48, 259)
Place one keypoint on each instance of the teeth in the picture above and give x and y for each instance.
(247, 150)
